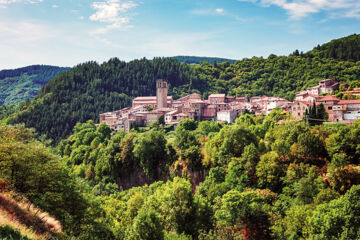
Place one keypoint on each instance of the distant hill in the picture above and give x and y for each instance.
(198, 60)
(24, 83)
(346, 48)
(90, 88)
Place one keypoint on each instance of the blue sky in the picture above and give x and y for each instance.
(68, 32)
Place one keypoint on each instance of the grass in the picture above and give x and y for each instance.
(21, 218)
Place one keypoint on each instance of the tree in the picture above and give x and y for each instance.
(175, 204)
(185, 135)
(295, 225)
(346, 141)
(242, 172)
(150, 151)
(316, 114)
(230, 142)
(269, 171)
(338, 219)
(146, 226)
(39, 175)
(309, 146)
(244, 210)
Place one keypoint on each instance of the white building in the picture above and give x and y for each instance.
(347, 110)
(228, 116)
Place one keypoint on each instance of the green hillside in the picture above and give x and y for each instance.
(261, 177)
(258, 178)
(346, 48)
(198, 60)
(24, 83)
(90, 88)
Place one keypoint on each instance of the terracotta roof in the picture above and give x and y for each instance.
(302, 93)
(344, 102)
(172, 112)
(314, 96)
(146, 98)
(352, 92)
(217, 95)
(225, 111)
(328, 98)
(164, 109)
(211, 106)
(306, 103)
(190, 96)
(329, 79)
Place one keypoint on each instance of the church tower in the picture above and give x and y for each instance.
(161, 93)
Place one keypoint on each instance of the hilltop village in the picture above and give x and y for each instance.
(219, 107)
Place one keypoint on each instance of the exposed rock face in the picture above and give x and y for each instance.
(137, 178)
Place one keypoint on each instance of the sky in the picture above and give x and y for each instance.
(69, 32)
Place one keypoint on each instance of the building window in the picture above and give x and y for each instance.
(330, 108)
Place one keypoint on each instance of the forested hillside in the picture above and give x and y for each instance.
(89, 89)
(262, 177)
(24, 83)
(259, 178)
(33, 175)
(346, 48)
(198, 60)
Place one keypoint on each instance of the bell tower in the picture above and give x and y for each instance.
(161, 93)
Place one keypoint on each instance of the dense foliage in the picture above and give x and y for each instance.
(90, 89)
(265, 180)
(264, 177)
(34, 171)
(198, 60)
(346, 48)
(24, 83)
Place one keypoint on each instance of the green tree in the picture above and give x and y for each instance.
(244, 209)
(150, 151)
(146, 226)
(338, 219)
(269, 171)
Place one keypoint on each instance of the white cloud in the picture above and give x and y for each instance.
(24, 32)
(220, 10)
(112, 12)
(54, 6)
(208, 12)
(298, 9)
(4, 3)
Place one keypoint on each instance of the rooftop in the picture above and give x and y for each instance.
(149, 98)
(327, 80)
(344, 102)
(218, 95)
(328, 98)
(306, 103)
